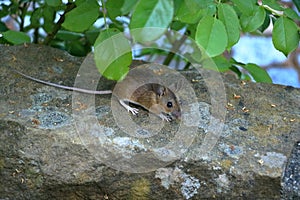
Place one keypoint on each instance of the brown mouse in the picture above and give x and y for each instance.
(155, 98)
(141, 87)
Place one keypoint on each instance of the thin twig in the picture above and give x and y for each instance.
(177, 44)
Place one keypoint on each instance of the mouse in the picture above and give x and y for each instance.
(141, 87)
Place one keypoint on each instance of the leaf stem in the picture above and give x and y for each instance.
(273, 11)
(104, 14)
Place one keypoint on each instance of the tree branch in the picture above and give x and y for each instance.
(51, 35)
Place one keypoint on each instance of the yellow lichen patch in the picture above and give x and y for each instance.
(226, 164)
(140, 189)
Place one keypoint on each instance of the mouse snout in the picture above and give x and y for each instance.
(176, 114)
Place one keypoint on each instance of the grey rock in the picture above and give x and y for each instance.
(291, 176)
(235, 140)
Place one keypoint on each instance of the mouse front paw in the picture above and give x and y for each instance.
(134, 111)
(164, 117)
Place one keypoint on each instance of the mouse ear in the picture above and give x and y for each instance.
(160, 90)
(175, 87)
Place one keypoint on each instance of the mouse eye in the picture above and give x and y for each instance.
(169, 104)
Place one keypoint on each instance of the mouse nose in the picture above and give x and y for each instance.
(176, 114)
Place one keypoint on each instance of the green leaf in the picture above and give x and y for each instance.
(191, 30)
(190, 11)
(266, 23)
(245, 77)
(252, 22)
(222, 63)
(117, 8)
(245, 6)
(112, 54)
(229, 18)
(79, 2)
(297, 4)
(77, 48)
(285, 35)
(291, 14)
(177, 25)
(258, 73)
(54, 3)
(49, 16)
(36, 17)
(16, 37)
(236, 71)
(155, 14)
(211, 35)
(210, 10)
(3, 27)
(114, 8)
(49, 13)
(82, 17)
(5, 10)
(92, 35)
(128, 6)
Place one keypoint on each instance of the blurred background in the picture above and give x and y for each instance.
(260, 50)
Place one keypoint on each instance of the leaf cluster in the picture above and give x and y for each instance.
(215, 25)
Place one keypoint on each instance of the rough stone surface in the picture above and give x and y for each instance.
(291, 176)
(44, 153)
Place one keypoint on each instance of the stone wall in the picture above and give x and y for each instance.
(240, 141)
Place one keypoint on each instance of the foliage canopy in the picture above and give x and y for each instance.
(215, 25)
